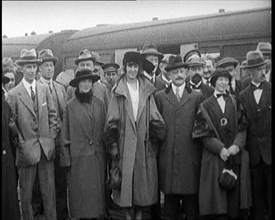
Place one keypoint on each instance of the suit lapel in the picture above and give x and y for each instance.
(172, 98)
(40, 94)
(264, 97)
(184, 98)
(25, 98)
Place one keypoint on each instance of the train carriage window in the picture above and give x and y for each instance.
(238, 51)
(213, 52)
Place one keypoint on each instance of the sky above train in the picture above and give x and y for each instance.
(20, 17)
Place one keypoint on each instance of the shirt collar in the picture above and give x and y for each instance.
(181, 88)
(27, 84)
(46, 81)
(256, 84)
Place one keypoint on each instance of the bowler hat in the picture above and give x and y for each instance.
(151, 49)
(227, 61)
(191, 53)
(83, 74)
(28, 56)
(110, 67)
(131, 57)
(46, 55)
(84, 55)
(264, 47)
(220, 72)
(97, 58)
(195, 61)
(255, 59)
(175, 62)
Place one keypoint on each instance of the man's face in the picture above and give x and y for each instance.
(132, 70)
(232, 70)
(178, 76)
(86, 64)
(154, 60)
(47, 70)
(208, 69)
(258, 73)
(29, 71)
(85, 85)
(111, 77)
(222, 84)
(11, 83)
(196, 73)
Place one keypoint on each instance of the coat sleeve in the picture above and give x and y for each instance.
(53, 127)
(65, 157)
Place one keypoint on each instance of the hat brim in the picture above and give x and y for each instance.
(223, 65)
(153, 53)
(23, 62)
(100, 63)
(5, 79)
(256, 65)
(169, 68)
(77, 61)
(53, 59)
(74, 82)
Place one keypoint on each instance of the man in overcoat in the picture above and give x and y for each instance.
(179, 156)
(257, 102)
(36, 120)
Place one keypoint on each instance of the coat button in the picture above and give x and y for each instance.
(4, 152)
(91, 142)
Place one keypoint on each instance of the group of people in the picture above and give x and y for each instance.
(160, 125)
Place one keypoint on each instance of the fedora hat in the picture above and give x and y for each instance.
(110, 67)
(264, 47)
(151, 49)
(97, 58)
(227, 61)
(255, 59)
(220, 72)
(131, 57)
(83, 74)
(195, 61)
(191, 53)
(28, 56)
(84, 55)
(47, 55)
(175, 62)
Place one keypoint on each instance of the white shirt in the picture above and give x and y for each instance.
(150, 77)
(27, 86)
(47, 81)
(134, 94)
(220, 100)
(257, 92)
(181, 89)
(233, 84)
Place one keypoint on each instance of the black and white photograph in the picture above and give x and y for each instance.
(132, 110)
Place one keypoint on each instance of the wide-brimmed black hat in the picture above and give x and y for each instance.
(227, 61)
(131, 57)
(46, 55)
(83, 74)
(191, 53)
(220, 72)
(28, 56)
(255, 59)
(84, 55)
(175, 62)
(151, 49)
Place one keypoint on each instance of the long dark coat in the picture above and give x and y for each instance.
(82, 150)
(137, 153)
(10, 207)
(212, 198)
(179, 156)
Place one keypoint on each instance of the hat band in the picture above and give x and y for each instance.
(29, 58)
(255, 61)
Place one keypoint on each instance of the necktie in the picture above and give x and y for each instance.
(254, 87)
(225, 95)
(177, 94)
(32, 94)
(50, 87)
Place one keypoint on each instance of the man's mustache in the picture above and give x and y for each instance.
(179, 78)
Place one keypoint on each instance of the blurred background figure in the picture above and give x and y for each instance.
(164, 75)
(265, 48)
(9, 73)
(110, 75)
(208, 70)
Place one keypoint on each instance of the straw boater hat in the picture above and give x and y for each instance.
(110, 67)
(255, 59)
(83, 74)
(28, 56)
(220, 72)
(175, 62)
(46, 55)
(150, 49)
(227, 61)
(97, 58)
(84, 55)
(265, 48)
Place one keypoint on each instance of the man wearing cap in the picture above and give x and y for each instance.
(110, 74)
(230, 65)
(195, 65)
(36, 118)
(191, 53)
(150, 53)
(46, 68)
(179, 155)
(164, 75)
(221, 126)
(133, 129)
(257, 102)
(82, 151)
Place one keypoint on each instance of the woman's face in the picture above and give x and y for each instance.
(85, 85)
(131, 70)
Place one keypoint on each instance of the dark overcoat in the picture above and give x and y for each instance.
(83, 152)
(137, 154)
(179, 155)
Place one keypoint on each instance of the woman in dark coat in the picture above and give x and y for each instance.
(221, 125)
(10, 205)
